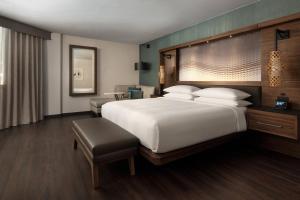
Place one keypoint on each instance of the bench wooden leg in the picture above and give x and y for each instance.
(131, 165)
(95, 176)
(75, 144)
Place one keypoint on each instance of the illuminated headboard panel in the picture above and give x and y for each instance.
(233, 59)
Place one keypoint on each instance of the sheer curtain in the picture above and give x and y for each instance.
(3, 46)
(21, 82)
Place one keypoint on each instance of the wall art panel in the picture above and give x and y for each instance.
(234, 59)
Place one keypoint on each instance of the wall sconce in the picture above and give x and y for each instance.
(274, 66)
(161, 74)
(168, 56)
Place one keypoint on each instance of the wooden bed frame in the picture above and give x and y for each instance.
(164, 158)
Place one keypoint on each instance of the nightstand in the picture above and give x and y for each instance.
(282, 123)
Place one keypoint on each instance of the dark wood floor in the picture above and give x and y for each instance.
(38, 162)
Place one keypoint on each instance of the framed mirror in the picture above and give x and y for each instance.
(83, 70)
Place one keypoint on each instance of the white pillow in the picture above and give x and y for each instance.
(185, 89)
(227, 102)
(222, 93)
(179, 96)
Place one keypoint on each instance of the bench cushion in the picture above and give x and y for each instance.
(102, 136)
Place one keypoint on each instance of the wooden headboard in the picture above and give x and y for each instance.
(290, 58)
(255, 91)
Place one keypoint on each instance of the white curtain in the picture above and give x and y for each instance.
(21, 88)
(3, 54)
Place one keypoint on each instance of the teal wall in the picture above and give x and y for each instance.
(261, 11)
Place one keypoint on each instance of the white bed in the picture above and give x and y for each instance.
(163, 124)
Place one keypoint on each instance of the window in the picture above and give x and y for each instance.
(2, 55)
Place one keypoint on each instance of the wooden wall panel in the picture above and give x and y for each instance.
(290, 55)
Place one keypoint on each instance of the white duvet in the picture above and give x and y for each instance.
(163, 124)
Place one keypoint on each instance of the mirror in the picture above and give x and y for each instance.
(83, 70)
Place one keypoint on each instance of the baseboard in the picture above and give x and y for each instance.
(68, 114)
(77, 113)
(52, 116)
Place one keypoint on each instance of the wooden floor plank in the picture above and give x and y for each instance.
(38, 162)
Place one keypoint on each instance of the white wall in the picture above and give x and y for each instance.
(115, 66)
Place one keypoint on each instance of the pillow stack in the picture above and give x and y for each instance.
(183, 92)
(223, 96)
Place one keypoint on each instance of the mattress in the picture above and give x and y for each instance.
(164, 125)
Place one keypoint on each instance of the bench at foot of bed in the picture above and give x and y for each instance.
(102, 142)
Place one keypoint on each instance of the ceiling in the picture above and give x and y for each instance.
(131, 21)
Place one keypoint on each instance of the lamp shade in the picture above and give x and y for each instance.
(274, 69)
(161, 74)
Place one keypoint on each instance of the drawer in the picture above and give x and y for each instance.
(274, 123)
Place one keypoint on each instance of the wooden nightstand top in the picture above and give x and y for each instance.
(273, 110)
